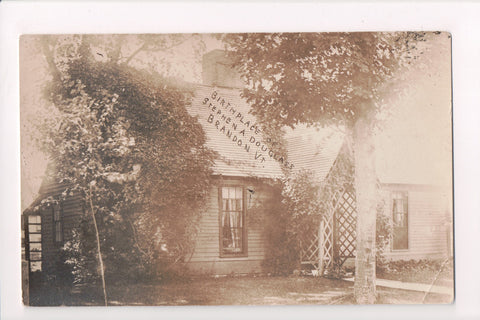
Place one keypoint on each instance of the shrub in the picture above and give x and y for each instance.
(127, 144)
(383, 235)
(281, 245)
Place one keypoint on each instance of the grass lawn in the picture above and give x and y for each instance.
(250, 291)
(438, 273)
(235, 291)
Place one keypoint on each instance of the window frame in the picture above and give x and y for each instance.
(405, 197)
(222, 252)
(60, 222)
(30, 242)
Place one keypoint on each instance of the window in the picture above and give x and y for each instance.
(34, 232)
(57, 224)
(232, 221)
(400, 220)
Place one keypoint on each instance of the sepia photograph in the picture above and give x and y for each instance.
(214, 169)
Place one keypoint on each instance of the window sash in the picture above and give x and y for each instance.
(400, 221)
(35, 266)
(34, 243)
(232, 224)
(58, 231)
(57, 224)
(35, 237)
(34, 219)
(34, 228)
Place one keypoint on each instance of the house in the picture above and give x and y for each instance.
(422, 221)
(415, 184)
(414, 194)
(46, 227)
(417, 201)
(227, 241)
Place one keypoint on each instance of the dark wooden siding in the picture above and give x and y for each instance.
(72, 209)
(429, 221)
(206, 257)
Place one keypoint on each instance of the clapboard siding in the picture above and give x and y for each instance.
(206, 257)
(429, 221)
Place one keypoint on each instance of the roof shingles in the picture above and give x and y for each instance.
(233, 133)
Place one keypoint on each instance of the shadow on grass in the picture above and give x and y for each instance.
(240, 291)
(219, 291)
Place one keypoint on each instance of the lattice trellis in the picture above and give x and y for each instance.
(345, 225)
(326, 234)
(334, 240)
(310, 249)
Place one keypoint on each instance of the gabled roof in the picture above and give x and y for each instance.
(307, 148)
(237, 155)
(314, 149)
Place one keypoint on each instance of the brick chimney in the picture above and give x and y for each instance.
(217, 70)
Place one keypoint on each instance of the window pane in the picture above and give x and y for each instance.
(238, 240)
(35, 237)
(58, 231)
(233, 222)
(34, 219)
(224, 219)
(35, 246)
(227, 193)
(400, 238)
(35, 255)
(238, 193)
(400, 219)
(232, 219)
(56, 214)
(227, 237)
(36, 266)
(224, 193)
(34, 228)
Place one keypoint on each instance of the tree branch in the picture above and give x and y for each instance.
(118, 48)
(145, 45)
(45, 43)
(142, 47)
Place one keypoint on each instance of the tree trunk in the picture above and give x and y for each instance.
(366, 196)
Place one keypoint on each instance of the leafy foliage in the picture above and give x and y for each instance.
(319, 78)
(383, 236)
(298, 209)
(301, 193)
(270, 214)
(340, 177)
(124, 140)
(325, 79)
